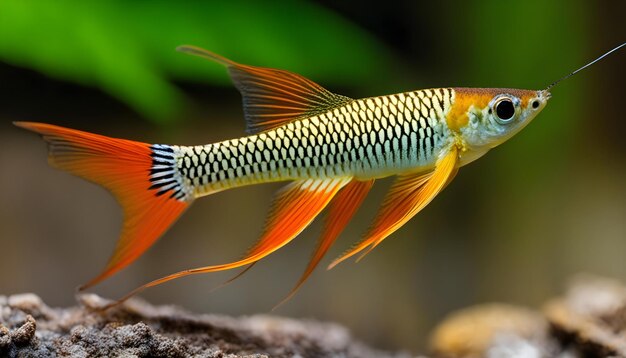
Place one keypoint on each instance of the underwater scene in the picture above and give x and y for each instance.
(514, 226)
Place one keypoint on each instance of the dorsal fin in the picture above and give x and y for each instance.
(273, 97)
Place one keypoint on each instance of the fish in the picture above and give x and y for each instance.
(328, 147)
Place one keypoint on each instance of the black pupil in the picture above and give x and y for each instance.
(505, 110)
(535, 104)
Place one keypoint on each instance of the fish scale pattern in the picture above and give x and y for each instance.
(366, 138)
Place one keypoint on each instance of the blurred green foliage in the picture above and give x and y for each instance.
(126, 48)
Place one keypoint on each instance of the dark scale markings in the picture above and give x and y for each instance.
(365, 138)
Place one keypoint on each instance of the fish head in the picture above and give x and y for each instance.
(487, 117)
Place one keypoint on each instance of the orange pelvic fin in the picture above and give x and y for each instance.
(273, 97)
(340, 211)
(126, 168)
(408, 195)
(294, 209)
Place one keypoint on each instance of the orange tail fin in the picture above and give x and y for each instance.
(142, 177)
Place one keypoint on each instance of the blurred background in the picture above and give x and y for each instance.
(512, 227)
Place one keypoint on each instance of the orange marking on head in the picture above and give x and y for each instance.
(464, 98)
(526, 97)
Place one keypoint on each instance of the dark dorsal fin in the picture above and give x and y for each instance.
(273, 97)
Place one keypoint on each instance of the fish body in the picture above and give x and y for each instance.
(364, 139)
(330, 148)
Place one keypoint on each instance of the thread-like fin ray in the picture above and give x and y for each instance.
(340, 210)
(234, 278)
(123, 167)
(408, 195)
(273, 97)
(294, 208)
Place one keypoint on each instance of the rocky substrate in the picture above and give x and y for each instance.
(29, 328)
(588, 321)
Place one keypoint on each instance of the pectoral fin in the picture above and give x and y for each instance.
(408, 195)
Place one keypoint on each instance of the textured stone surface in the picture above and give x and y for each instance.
(493, 330)
(591, 317)
(589, 320)
(29, 328)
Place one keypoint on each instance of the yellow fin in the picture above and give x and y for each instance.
(408, 195)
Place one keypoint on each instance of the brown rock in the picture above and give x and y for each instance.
(495, 330)
(591, 317)
(30, 328)
(25, 333)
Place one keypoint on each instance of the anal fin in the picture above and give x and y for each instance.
(340, 210)
(294, 208)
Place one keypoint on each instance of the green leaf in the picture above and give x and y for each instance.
(127, 48)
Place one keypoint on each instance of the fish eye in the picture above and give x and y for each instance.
(505, 110)
(535, 104)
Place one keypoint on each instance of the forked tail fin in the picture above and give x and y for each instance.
(142, 177)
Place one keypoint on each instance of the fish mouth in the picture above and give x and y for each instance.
(544, 94)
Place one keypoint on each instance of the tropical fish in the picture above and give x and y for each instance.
(330, 147)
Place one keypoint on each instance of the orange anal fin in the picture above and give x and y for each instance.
(273, 97)
(408, 195)
(294, 208)
(340, 210)
(124, 168)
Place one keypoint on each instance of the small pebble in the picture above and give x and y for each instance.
(27, 302)
(5, 337)
(26, 333)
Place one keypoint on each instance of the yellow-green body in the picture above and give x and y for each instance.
(363, 139)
